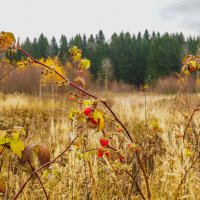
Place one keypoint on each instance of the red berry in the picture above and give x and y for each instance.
(104, 142)
(87, 111)
(107, 153)
(91, 118)
(100, 152)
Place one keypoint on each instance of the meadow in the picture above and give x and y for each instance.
(77, 143)
(156, 122)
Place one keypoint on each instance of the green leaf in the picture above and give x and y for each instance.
(17, 147)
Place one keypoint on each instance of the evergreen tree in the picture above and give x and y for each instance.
(27, 46)
(165, 56)
(63, 49)
(91, 53)
(84, 42)
(43, 46)
(133, 58)
(35, 48)
(53, 48)
(145, 48)
(101, 52)
(192, 44)
(76, 41)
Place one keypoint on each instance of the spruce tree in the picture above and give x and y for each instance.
(53, 47)
(63, 49)
(43, 46)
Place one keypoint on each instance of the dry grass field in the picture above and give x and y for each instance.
(157, 124)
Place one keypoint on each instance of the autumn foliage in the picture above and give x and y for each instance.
(90, 116)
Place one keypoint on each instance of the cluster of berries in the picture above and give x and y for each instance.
(101, 151)
(88, 112)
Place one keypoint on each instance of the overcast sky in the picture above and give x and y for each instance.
(69, 17)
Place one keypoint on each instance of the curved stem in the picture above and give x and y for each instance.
(106, 105)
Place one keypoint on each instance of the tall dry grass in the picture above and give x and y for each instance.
(156, 127)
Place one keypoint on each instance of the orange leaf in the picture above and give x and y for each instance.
(6, 40)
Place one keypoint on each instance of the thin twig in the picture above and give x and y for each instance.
(7, 73)
(45, 192)
(138, 187)
(189, 121)
(144, 174)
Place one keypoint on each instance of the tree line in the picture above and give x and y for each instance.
(133, 59)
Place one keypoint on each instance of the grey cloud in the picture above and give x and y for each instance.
(185, 12)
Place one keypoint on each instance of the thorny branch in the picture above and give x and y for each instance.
(105, 104)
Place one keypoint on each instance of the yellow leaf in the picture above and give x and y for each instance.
(15, 135)
(5, 140)
(73, 49)
(70, 116)
(76, 53)
(186, 59)
(98, 117)
(6, 40)
(17, 147)
(77, 56)
(88, 102)
(51, 75)
(84, 64)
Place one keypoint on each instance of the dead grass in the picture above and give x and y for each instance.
(155, 127)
